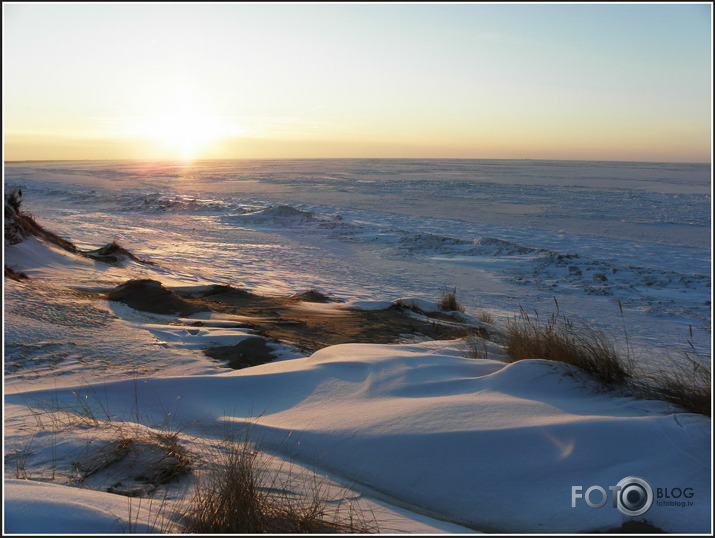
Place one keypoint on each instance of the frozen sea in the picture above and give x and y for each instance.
(588, 238)
(408, 432)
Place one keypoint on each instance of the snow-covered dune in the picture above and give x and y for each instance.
(40, 508)
(480, 443)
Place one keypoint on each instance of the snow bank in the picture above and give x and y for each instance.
(283, 215)
(35, 257)
(481, 444)
(417, 303)
(40, 508)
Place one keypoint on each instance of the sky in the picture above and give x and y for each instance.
(157, 81)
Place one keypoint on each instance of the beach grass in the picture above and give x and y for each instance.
(560, 339)
(686, 383)
(241, 495)
(449, 302)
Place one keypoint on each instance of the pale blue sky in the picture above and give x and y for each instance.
(582, 81)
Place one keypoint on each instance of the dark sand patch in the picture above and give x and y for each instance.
(249, 352)
(15, 275)
(113, 253)
(282, 319)
(286, 319)
(151, 296)
(198, 292)
(312, 296)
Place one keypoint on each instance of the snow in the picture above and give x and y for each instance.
(428, 440)
(449, 436)
(419, 304)
(37, 508)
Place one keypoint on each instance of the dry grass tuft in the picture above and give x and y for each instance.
(448, 302)
(485, 317)
(148, 456)
(475, 343)
(239, 497)
(686, 384)
(562, 340)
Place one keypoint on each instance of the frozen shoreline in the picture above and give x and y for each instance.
(415, 424)
(665, 290)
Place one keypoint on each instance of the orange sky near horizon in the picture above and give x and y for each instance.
(221, 81)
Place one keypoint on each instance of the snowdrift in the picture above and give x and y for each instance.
(37, 508)
(479, 443)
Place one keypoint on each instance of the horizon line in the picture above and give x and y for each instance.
(192, 161)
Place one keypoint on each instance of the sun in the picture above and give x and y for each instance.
(186, 132)
(185, 129)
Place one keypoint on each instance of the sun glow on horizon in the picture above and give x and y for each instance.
(185, 128)
(187, 133)
(190, 81)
